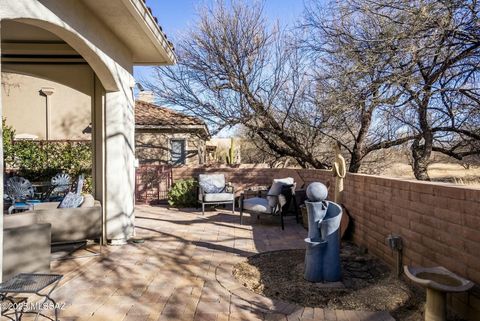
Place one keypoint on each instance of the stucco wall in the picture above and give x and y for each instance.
(439, 223)
(24, 107)
(154, 147)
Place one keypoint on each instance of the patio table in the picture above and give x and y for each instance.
(43, 190)
(30, 283)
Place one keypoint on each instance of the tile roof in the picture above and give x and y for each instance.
(152, 115)
(170, 44)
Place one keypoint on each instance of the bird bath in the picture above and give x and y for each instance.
(438, 281)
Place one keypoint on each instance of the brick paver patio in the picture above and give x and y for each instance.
(173, 274)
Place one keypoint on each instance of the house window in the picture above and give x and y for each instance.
(178, 153)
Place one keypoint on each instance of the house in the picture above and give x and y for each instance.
(165, 136)
(70, 63)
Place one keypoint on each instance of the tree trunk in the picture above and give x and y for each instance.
(355, 162)
(421, 156)
(358, 151)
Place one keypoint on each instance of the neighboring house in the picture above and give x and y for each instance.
(66, 64)
(165, 136)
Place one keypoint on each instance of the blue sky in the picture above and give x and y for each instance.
(176, 15)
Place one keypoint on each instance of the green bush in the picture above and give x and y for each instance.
(41, 160)
(183, 193)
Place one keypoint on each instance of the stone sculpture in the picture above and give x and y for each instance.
(339, 169)
(322, 258)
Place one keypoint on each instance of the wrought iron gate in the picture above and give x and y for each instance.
(152, 183)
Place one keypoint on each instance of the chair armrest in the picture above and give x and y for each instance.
(273, 195)
(263, 193)
(45, 206)
(229, 188)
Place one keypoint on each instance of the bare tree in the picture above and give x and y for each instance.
(438, 64)
(391, 72)
(369, 74)
(350, 49)
(234, 68)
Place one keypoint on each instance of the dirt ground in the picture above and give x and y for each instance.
(368, 284)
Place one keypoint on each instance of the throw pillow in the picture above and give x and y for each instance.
(88, 200)
(276, 189)
(71, 200)
(212, 183)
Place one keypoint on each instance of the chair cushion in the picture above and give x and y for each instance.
(218, 197)
(71, 200)
(88, 201)
(212, 183)
(276, 189)
(256, 204)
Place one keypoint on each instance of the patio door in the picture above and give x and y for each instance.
(178, 153)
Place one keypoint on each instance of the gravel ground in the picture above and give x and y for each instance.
(368, 283)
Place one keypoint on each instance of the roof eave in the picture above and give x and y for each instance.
(147, 22)
(204, 128)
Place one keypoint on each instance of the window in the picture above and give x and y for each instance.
(178, 154)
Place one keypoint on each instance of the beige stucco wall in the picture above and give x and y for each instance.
(25, 108)
(154, 147)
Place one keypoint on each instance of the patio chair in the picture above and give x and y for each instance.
(277, 202)
(19, 190)
(78, 185)
(60, 186)
(213, 190)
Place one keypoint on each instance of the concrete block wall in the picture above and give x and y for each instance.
(439, 223)
(244, 178)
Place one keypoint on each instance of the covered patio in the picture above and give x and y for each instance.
(75, 59)
(181, 272)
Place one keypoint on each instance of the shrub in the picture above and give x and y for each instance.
(41, 160)
(183, 193)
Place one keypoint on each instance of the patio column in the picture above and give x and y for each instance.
(1, 163)
(98, 146)
(119, 162)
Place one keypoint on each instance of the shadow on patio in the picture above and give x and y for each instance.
(172, 275)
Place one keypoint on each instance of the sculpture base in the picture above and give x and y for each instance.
(330, 285)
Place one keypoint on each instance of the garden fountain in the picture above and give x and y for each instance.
(322, 258)
(438, 281)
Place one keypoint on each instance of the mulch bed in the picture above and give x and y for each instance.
(369, 285)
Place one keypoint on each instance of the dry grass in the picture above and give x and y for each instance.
(440, 172)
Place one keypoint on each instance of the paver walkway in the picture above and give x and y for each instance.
(172, 275)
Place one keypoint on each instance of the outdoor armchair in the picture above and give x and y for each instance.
(60, 186)
(277, 202)
(212, 189)
(19, 190)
